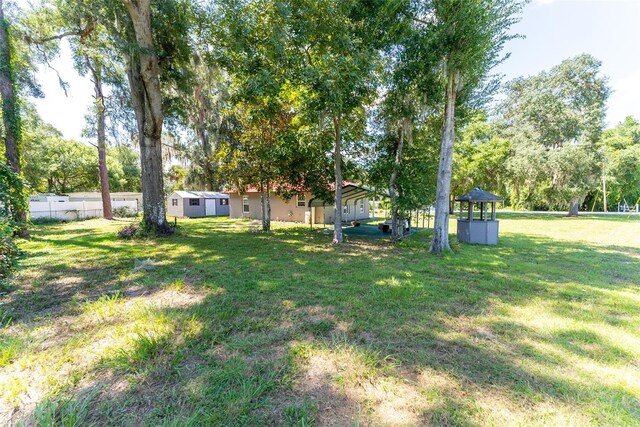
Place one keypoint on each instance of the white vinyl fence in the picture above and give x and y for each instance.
(75, 210)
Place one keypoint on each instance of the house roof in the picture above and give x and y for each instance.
(274, 188)
(478, 195)
(290, 187)
(350, 192)
(201, 194)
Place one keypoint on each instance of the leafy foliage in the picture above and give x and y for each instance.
(13, 196)
(620, 147)
(554, 121)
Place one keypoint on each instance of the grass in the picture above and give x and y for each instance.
(220, 326)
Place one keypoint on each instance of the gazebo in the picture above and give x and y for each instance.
(483, 227)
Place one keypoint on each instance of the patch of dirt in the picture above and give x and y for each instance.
(335, 407)
(316, 313)
(344, 396)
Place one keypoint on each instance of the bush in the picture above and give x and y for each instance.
(129, 232)
(139, 231)
(123, 212)
(9, 251)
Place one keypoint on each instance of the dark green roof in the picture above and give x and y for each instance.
(478, 195)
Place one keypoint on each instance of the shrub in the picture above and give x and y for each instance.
(139, 231)
(123, 212)
(129, 232)
(9, 252)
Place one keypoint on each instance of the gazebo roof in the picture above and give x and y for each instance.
(478, 195)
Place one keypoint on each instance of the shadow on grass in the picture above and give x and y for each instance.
(238, 361)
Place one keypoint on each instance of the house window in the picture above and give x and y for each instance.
(361, 205)
(345, 209)
(245, 205)
(174, 202)
(194, 202)
(301, 200)
(224, 202)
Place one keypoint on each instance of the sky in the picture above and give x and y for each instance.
(553, 31)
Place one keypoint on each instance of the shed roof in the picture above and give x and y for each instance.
(201, 194)
(478, 195)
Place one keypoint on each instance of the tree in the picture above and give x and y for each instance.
(264, 150)
(620, 147)
(205, 112)
(100, 108)
(176, 176)
(404, 159)
(10, 113)
(53, 164)
(153, 41)
(338, 72)
(261, 153)
(143, 71)
(52, 22)
(469, 34)
(480, 158)
(554, 120)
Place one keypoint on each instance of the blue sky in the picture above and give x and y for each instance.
(554, 30)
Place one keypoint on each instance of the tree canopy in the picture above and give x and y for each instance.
(293, 95)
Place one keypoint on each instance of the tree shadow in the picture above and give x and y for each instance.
(240, 360)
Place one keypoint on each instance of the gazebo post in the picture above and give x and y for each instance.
(493, 211)
(470, 211)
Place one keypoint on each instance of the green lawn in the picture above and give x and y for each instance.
(221, 326)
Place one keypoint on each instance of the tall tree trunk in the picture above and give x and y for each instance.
(396, 234)
(263, 207)
(10, 112)
(604, 185)
(206, 149)
(144, 79)
(337, 160)
(96, 70)
(440, 241)
(268, 205)
(201, 116)
(574, 207)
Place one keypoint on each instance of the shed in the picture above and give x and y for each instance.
(197, 204)
(480, 227)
